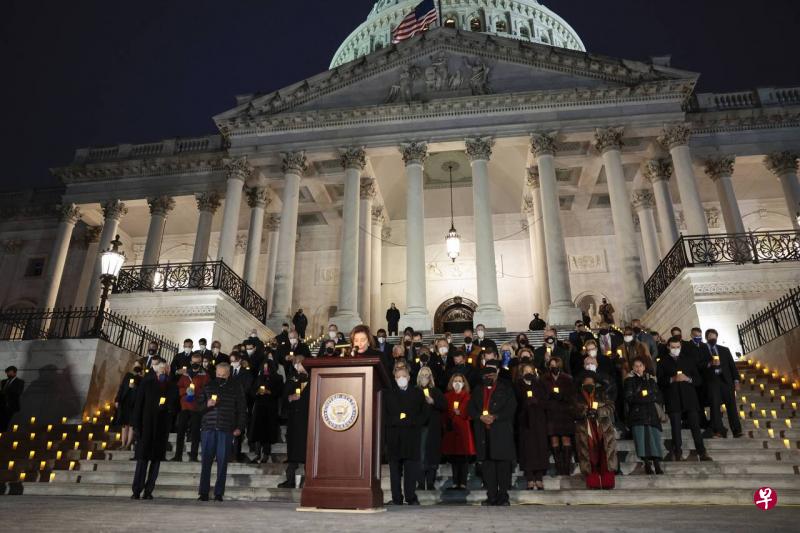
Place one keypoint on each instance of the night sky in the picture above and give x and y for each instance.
(94, 72)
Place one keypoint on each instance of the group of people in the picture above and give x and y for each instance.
(461, 401)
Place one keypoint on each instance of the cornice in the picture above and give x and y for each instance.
(744, 120)
(139, 167)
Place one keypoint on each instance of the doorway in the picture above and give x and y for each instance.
(454, 315)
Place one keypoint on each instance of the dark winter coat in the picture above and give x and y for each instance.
(640, 406)
(679, 397)
(502, 405)
(264, 422)
(152, 418)
(297, 417)
(404, 415)
(432, 427)
(126, 398)
(560, 408)
(230, 411)
(533, 447)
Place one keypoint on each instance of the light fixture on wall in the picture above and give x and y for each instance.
(453, 239)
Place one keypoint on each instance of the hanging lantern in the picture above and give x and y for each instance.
(453, 239)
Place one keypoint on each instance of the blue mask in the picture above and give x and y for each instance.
(162, 377)
(697, 340)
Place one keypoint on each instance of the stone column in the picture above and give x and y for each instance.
(479, 151)
(658, 172)
(643, 203)
(676, 138)
(530, 224)
(273, 225)
(608, 142)
(258, 199)
(784, 166)
(69, 215)
(562, 311)
(160, 207)
(538, 247)
(294, 165)
(113, 211)
(720, 171)
(377, 316)
(354, 159)
(368, 192)
(207, 205)
(416, 315)
(238, 171)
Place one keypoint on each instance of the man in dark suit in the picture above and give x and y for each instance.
(287, 352)
(300, 322)
(483, 341)
(403, 412)
(722, 383)
(678, 376)
(471, 350)
(244, 378)
(381, 344)
(147, 360)
(182, 360)
(217, 354)
(202, 349)
(10, 397)
(577, 339)
(492, 408)
(550, 348)
(392, 318)
(460, 366)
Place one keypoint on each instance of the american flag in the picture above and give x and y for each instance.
(417, 21)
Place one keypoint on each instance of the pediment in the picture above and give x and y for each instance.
(446, 64)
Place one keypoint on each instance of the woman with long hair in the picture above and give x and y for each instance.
(457, 442)
(560, 412)
(362, 343)
(125, 401)
(431, 428)
(532, 445)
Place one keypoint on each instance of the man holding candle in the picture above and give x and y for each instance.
(152, 419)
(403, 410)
(10, 397)
(460, 366)
(492, 407)
(190, 386)
(722, 379)
(551, 347)
(224, 417)
(182, 360)
(288, 351)
(295, 401)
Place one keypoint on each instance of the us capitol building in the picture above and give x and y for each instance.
(573, 177)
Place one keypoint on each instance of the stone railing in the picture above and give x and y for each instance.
(762, 97)
(168, 147)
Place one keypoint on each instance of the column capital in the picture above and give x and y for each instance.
(543, 144)
(114, 210)
(675, 135)
(208, 202)
(237, 168)
(379, 215)
(91, 235)
(258, 197)
(479, 148)
(386, 233)
(353, 157)
(294, 162)
(161, 205)
(273, 221)
(369, 188)
(69, 213)
(527, 205)
(533, 177)
(780, 163)
(414, 152)
(721, 166)
(657, 169)
(608, 138)
(643, 199)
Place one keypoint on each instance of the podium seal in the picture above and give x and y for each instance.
(340, 411)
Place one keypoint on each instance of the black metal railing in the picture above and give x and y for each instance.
(77, 323)
(723, 249)
(214, 275)
(776, 320)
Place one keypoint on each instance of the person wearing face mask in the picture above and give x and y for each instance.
(700, 351)
(508, 361)
(217, 354)
(608, 341)
(300, 323)
(642, 335)
(381, 344)
(521, 342)
(152, 419)
(287, 352)
(492, 407)
(577, 340)
(264, 429)
(124, 402)
(202, 347)
(182, 360)
(678, 376)
(471, 350)
(328, 349)
(632, 348)
(560, 422)
(335, 336)
(482, 340)
(532, 444)
(392, 319)
(296, 411)
(722, 379)
(457, 440)
(595, 437)
(444, 352)
(147, 360)
(190, 385)
(242, 377)
(408, 347)
(550, 348)
(430, 360)
(403, 415)
(460, 366)
(643, 400)
(601, 375)
(254, 357)
(283, 337)
(431, 425)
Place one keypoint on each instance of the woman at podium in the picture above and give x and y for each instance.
(362, 343)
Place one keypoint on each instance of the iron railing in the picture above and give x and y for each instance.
(776, 320)
(77, 323)
(722, 249)
(214, 275)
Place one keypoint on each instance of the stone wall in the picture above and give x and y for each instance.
(781, 354)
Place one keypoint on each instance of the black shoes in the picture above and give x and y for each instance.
(657, 465)
(648, 468)
(413, 502)
(487, 503)
(194, 459)
(705, 457)
(217, 498)
(203, 498)
(286, 485)
(147, 496)
(135, 497)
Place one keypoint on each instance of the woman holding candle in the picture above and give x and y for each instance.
(642, 396)
(295, 407)
(265, 429)
(457, 441)
(125, 401)
(595, 436)
(532, 445)
(431, 428)
(560, 421)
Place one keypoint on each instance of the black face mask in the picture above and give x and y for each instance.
(467, 340)
(195, 367)
(712, 341)
(329, 351)
(603, 332)
(151, 351)
(488, 381)
(525, 359)
(528, 377)
(222, 381)
(417, 345)
(523, 342)
(588, 387)
(424, 358)
(407, 343)
(555, 370)
(636, 331)
(137, 370)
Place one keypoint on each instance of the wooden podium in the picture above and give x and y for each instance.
(343, 458)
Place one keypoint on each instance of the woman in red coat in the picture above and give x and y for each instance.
(457, 442)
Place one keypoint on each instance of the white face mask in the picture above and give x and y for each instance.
(592, 352)
(674, 352)
(202, 346)
(457, 386)
(251, 352)
(628, 338)
(591, 368)
(292, 341)
(332, 334)
(215, 351)
(381, 340)
(402, 382)
(186, 350)
(442, 350)
(235, 364)
(480, 333)
(298, 366)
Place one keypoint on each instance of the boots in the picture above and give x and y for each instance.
(657, 464)
(257, 458)
(557, 459)
(291, 468)
(648, 467)
(567, 451)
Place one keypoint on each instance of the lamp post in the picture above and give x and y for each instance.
(111, 261)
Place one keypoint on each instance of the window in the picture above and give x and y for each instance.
(500, 26)
(475, 24)
(450, 22)
(524, 33)
(35, 267)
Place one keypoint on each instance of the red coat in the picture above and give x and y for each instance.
(457, 429)
(200, 381)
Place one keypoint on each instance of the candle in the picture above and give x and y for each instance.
(644, 393)
(680, 372)
(608, 353)
(119, 436)
(483, 348)
(63, 419)
(716, 358)
(63, 436)
(262, 389)
(162, 401)
(58, 455)
(595, 405)
(774, 413)
(15, 427)
(42, 464)
(49, 445)
(298, 390)
(33, 420)
(11, 465)
(49, 428)
(469, 361)
(213, 397)
(72, 465)
(788, 423)
(426, 392)
(530, 394)
(402, 416)
(88, 456)
(556, 390)
(764, 413)
(741, 414)
(486, 413)
(80, 426)
(755, 423)
(33, 436)
(771, 433)
(416, 360)
(619, 352)
(22, 476)
(76, 445)
(52, 476)
(191, 387)
(31, 454)
(787, 443)
(456, 404)
(103, 445)
(14, 445)
(105, 428)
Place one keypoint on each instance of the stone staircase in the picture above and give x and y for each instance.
(83, 460)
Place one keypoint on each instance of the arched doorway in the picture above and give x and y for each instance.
(454, 315)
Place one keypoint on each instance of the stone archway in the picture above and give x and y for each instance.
(454, 315)
(589, 303)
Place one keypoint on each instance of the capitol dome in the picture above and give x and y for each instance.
(526, 20)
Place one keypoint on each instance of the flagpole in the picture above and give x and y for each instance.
(439, 12)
